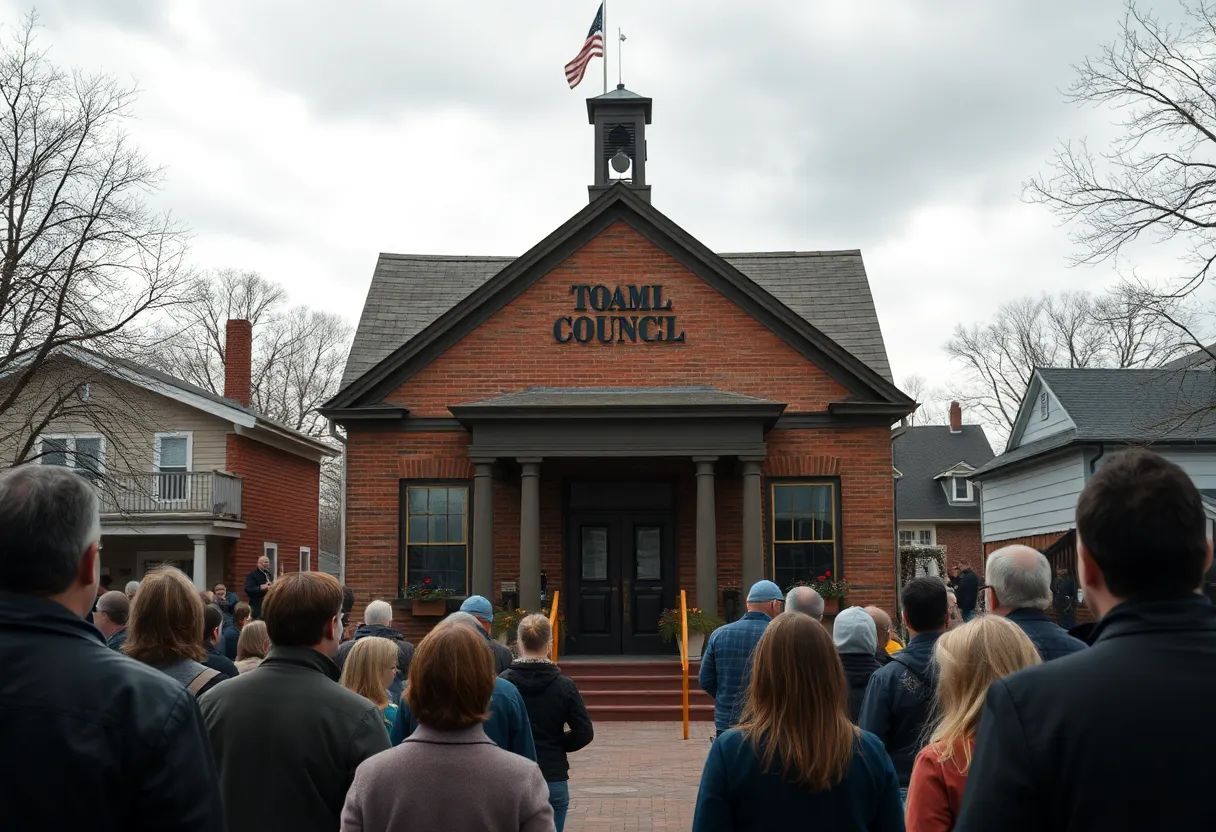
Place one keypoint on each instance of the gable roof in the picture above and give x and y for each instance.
(1130, 406)
(820, 302)
(923, 452)
(200, 398)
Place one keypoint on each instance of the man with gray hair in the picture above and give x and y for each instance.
(378, 622)
(508, 726)
(132, 588)
(1019, 588)
(110, 618)
(805, 600)
(64, 692)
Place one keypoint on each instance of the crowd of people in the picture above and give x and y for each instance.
(162, 707)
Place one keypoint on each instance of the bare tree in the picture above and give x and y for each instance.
(298, 354)
(84, 262)
(930, 407)
(1072, 329)
(1158, 180)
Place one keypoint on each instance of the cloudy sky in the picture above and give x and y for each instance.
(301, 138)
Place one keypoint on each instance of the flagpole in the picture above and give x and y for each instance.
(604, 33)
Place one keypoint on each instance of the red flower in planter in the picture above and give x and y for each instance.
(820, 578)
(426, 581)
(828, 573)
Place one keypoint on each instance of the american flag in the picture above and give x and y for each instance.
(593, 47)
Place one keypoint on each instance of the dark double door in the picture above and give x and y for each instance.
(621, 576)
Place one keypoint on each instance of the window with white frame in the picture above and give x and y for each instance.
(171, 458)
(305, 558)
(87, 454)
(916, 537)
(271, 552)
(962, 490)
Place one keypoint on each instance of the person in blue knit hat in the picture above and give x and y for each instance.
(481, 609)
(727, 661)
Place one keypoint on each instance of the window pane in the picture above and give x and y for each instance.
(802, 498)
(444, 565)
(926, 537)
(595, 553)
(783, 500)
(647, 553)
(417, 530)
(439, 527)
(802, 561)
(784, 530)
(905, 538)
(455, 527)
(803, 529)
(438, 501)
(456, 500)
(54, 452)
(417, 500)
(960, 488)
(173, 453)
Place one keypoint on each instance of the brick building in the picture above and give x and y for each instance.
(619, 413)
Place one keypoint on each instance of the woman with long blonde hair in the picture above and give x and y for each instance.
(252, 646)
(969, 659)
(797, 758)
(369, 671)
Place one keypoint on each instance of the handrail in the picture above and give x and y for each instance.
(684, 654)
(554, 623)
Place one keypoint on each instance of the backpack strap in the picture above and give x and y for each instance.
(200, 681)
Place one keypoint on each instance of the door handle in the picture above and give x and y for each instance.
(625, 601)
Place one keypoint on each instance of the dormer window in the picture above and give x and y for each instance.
(962, 490)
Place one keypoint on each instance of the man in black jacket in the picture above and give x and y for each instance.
(287, 738)
(1110, 737)
(213, 623)
(257, 584)
(967, 591)
(1019, 588)
(92, 739)
(1064, 597)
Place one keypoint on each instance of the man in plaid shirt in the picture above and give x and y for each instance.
(726, 664)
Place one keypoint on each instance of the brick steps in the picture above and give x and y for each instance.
(638, 691)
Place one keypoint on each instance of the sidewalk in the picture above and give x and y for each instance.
(637, 776)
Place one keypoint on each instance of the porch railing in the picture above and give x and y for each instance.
(206, 493)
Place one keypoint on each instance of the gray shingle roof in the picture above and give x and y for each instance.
(828, 289)
(1137, 405)
(920, 453)
(619, 396)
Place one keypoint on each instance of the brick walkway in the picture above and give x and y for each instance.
(637, 777)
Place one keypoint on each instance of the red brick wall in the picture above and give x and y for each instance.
(963, 545)
(515, 348)
(280, 498)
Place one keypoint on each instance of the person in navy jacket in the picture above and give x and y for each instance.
(1019, 588)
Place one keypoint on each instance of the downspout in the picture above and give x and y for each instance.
(895, 534)
(1093, 463)
(341, 440)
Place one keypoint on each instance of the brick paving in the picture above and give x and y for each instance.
(637, 777)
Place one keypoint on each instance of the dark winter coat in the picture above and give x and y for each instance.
(899, 700)
(553, 702)
(1111, 737)
(94, 740)
(858, 668)
(254, 591)
(216, 660)
(405, 653)
(1050, 639)
(229, 639)
(287, 740)
(967, 590)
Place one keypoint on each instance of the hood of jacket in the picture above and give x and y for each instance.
(854, 632)
(379, 631)
(532, 677)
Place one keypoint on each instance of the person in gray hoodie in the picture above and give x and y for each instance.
(856, 641)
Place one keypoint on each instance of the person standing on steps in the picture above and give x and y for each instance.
(727, 660)
(257, 584)
(1064, 597)
(553, 702)
(967, 591)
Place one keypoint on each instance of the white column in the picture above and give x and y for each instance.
(200, 560)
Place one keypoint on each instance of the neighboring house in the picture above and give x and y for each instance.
(936, 503)
(1070, 420)
(185, 476)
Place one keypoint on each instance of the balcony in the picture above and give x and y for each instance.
(197, 494)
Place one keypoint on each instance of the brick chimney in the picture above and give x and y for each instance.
(956, 418)
(238, 361)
